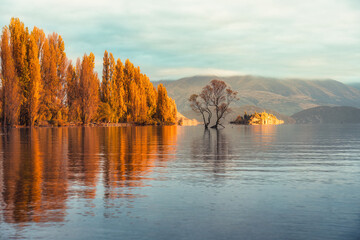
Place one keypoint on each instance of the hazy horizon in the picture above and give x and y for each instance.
(255, 75)
(171, 39)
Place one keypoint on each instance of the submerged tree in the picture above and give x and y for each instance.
(199, 105)
(221, 98)
(217, 96)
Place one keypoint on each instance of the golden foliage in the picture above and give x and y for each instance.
(41, 86)
(263, 118)
(10, 83)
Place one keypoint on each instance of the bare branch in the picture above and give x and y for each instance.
(215, 95)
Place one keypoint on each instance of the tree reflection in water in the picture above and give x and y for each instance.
(211, 152)
(44, 171)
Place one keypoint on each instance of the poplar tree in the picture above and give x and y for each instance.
(166, 108)
(118, 92)
(9, 82)
(40, 85)
(89, 89)
(151, 98)
(40, 39)
(34, 87)
(105, 84)
(19, 40)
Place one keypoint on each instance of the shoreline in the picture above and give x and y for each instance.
(88, 125)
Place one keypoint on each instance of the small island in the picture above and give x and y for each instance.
(263, 118)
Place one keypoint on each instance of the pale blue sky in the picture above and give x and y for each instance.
(179, 38)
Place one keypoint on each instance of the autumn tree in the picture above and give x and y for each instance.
(129, 72)
(216, 95)
(106, 79)
(151, 97)
(198, 105)
(19, 36)
(166, 108)
(118, 92)
(9, 81)
(161, 105)
(107, 108)
(128, 95)
(40, 39)
(89, 88)
(39, 84)
(53, 74)
(34, 88)
(138, 98)
(73, 92)
(26, 68)
(221, 97)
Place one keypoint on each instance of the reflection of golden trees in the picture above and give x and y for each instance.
(11, 171)
(42, 168)
(34, 184)
(131, 154)
(261, 135)
(84, 155)
(53, 145)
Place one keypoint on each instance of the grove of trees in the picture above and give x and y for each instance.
(39, 85)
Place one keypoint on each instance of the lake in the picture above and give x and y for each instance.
(242, 182)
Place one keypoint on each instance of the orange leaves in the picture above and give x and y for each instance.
(34, 87)
(39, 84)
(166, 108)
(130, 96)
(9, 82)
(89, 89)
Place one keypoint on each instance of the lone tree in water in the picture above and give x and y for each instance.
(216, 95)
(199, 105)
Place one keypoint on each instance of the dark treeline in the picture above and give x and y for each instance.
(40, 86)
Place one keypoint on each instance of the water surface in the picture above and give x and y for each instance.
(243, 182)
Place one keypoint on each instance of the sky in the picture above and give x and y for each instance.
(180, 38)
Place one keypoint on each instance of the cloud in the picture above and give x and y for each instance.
(168, 38)
(189, 71)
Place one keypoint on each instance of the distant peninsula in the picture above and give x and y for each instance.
(263, 118)
(327, 114)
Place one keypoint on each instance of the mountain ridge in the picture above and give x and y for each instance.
(283, 95)
(326, 114)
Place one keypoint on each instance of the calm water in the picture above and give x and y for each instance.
(243, 182)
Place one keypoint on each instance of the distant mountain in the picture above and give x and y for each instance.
(285, 96)
(354, 85)
(325, 114)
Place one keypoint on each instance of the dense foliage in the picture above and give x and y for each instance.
(40, 86)
(263, 118)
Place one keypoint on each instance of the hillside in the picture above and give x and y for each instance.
(354, 85)
(325, 114)
(285, 96)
